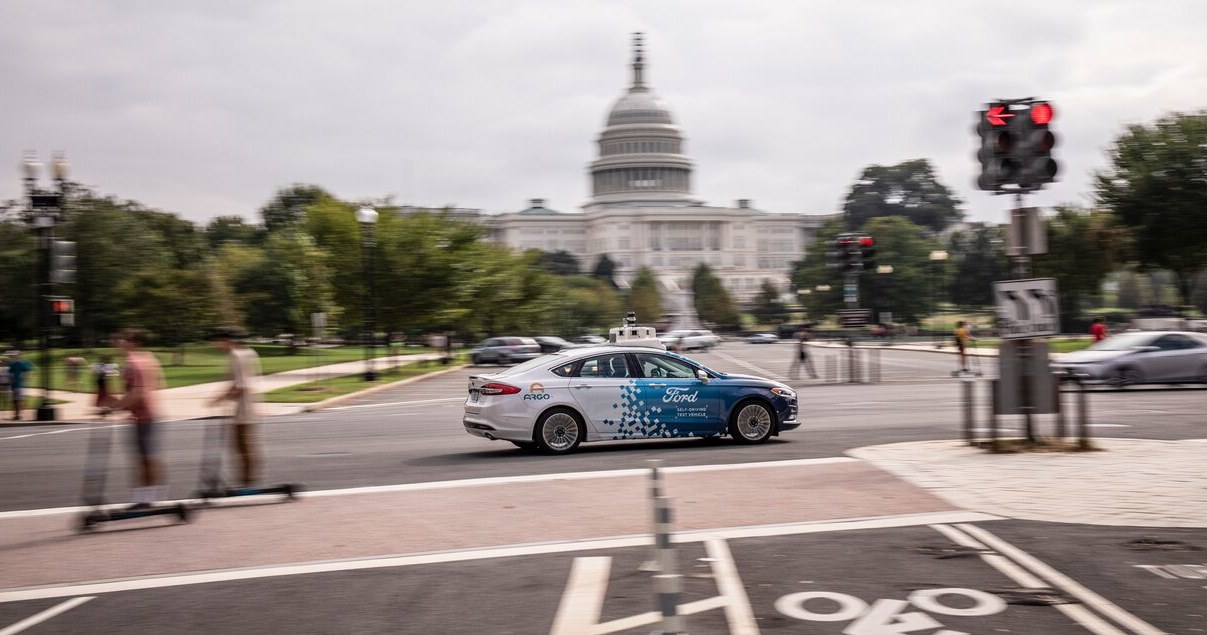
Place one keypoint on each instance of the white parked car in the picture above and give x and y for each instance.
(690, 340)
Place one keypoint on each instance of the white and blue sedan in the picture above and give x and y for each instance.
(607, 393)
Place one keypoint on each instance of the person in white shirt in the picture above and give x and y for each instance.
(244, 394)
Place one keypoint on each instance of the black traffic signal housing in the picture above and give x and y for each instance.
(1033, 151)
(62, 261)
(867, 253)
(847, 253)
(999, 140)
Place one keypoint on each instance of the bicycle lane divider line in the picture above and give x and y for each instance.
(481, 482)
(738, 611)
(487, 553)
(66, 430)
(1008, 568)
(1090, 598)
(53, 611)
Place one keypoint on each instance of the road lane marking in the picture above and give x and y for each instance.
(761, 371)
(1077, 613)
(738, 611)
(1090, 598)
(478, 482)
(72, 429)
(582, 601)
(488, 553)
(34, 620)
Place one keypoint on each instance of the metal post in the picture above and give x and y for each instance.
(45, 411)
(831, 369)
(651, 565)
(876, 364)
(1022, 269)
(369, 305)
(668, 584)
(994, 401)
(1083, 416)
(852, 371)
(966, 389)
(1060, 410)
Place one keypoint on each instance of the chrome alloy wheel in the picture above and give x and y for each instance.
(560, 432)
(754, 422)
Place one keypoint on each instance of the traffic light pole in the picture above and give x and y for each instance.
(45, 410)
(1022, 270)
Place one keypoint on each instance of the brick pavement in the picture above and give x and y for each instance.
(1130, 482)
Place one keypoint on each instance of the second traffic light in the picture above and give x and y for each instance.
(62, 262)
(867, 253)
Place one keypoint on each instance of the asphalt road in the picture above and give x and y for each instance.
(414, 433)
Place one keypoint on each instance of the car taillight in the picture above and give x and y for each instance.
(498, 389)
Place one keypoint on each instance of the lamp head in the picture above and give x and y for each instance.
(366, 215)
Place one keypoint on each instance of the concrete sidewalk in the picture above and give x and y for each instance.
(191, 402)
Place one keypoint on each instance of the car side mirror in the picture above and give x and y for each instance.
(702, 375)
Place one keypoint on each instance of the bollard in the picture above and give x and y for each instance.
(668, 583)
(969, 397)
(1061, 425)
(831, 370)
(993, 408)
(876, 364)
(1083, 416)
(651, 564)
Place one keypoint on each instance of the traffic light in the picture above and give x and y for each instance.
(1034, 149)
(62, 262)
(848, 254)
(998, 141)
(867, 253)
(63, 310)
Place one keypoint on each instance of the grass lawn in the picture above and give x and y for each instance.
(203, 363)
(316, 391)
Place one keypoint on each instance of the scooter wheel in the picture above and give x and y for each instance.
(85, 523)
(183, 513)
(291, 491)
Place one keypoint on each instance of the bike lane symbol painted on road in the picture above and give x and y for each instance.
(887, 616)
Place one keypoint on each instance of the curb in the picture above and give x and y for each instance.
(327, 403)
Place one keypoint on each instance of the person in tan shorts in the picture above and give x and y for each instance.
(243, 393)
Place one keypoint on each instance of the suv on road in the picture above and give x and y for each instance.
(690, 340)
(505, 350)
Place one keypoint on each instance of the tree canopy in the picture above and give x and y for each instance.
(1156, 185)
(645, 299)
(910, 189)
(713, 303)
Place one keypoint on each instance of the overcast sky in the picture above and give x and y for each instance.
(205, 108)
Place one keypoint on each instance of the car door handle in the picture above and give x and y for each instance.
(657, 385)
(582, 386)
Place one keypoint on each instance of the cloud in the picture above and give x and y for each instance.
(206, 108)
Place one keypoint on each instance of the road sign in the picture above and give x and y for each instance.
(1027, 308)
(854, 318)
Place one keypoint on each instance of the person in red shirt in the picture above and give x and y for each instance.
(1098, 329)
(143, 376)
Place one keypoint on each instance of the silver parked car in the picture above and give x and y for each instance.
(1138, 357)
(505, 350)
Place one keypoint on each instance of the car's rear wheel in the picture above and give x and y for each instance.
(477, 361)
(1125, 377)
(752, 422)
(559, 431)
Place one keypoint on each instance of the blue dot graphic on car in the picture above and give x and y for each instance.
(639, 415)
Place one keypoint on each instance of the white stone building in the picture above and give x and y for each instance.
(642, 211)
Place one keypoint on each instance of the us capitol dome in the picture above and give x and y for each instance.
(643, 212)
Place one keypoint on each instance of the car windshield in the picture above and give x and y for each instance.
(530, 364)
(1122, 342)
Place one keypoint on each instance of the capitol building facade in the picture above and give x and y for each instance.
(643, 213)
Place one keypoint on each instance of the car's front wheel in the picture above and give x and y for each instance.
(1125, 377)
(559, 431)
(751, 423)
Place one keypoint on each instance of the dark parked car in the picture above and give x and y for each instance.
(505, 350)
(552, 344)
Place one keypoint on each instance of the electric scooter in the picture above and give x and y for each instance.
(976, 362)
(96, 468)
(212, 486)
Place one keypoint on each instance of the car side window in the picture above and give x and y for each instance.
(1168, 343)
(489, 343)
(565, 370)
(659, 366)
(614, 365)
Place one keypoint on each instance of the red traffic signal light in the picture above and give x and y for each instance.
(867, 241)
(60, 306)
(1041, 113)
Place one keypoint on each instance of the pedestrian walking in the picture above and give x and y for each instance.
(142, 376)
(74, 368)
(102, 371)
(18, 369)
(962, 335)
(244, 395)
(801, 358)
(1098, 329)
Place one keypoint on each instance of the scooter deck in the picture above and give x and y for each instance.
(288, 490)
(90, 519)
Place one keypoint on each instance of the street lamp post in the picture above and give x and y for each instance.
(936, 257)
(46, 207)
(367, 217)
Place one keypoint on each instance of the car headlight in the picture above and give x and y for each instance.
(783, 392)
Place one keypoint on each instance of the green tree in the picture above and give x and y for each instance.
(979, 257)
(1156, 184)
(559, 263)
(605, 269)
(767, 307)
(1084, 247)
(18, 316)
(176, 305)
(280, 291)
(910, 189)
(713, 303)
(587, 304)
(231, 229)
(288, 206)
(645, 298)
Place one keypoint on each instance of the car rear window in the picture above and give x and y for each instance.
(526, 341)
